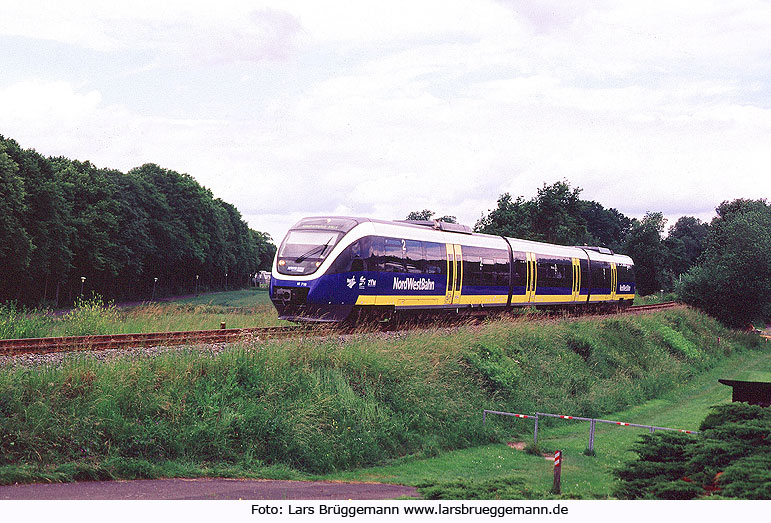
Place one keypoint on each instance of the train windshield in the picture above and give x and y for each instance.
(302, 245)
(309, 242)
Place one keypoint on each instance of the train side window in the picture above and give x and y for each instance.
(601, 277)
(501, 275)
(393, 255)
(625, 273)
(544, 275)
(563, 273)
(435, 261)
(586, 276)
(376, 254)
(343, 262)
(555, 273)
(488, 272)
(472, 269)
(359, 256)
(413, 256)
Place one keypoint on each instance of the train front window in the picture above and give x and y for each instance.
(303, 251)
(300, 245)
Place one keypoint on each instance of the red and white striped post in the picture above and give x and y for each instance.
(557, 472)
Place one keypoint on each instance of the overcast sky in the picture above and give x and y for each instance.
(288, 109)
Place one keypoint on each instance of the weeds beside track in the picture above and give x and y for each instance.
(119, 341)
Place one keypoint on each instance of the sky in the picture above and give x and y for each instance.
(289, 109)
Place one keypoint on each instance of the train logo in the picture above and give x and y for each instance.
(411, 284)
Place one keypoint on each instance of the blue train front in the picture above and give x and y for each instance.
(328, 267)
(325, 267)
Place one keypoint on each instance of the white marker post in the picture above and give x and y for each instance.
(555, 489)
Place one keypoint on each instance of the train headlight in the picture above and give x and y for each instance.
(282, 262)
(318, 264)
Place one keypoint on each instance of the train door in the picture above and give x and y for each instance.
(532, 276)
(454, 274)
(613, 281)
(576, 279)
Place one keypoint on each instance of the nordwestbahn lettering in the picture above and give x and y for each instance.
(413, 284)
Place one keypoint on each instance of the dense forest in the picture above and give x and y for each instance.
(68, 227)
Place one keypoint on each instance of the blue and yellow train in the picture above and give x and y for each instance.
(329, 269)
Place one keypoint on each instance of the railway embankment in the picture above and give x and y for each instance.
(285, 408)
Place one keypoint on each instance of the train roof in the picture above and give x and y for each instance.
(347, 223)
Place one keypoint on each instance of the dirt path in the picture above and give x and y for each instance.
(206, 488)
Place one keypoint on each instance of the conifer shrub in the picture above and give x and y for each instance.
(729, 458)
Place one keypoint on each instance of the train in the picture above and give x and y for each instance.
(340, 268)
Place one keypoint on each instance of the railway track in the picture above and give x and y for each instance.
(652, 307)
(118, 341)
(124, 341)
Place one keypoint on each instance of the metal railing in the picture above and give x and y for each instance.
(592, 423)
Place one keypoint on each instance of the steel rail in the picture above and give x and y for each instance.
(116, 341)
(653, 306)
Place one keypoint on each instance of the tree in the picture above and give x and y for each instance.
(556, 215)
(423, 215)
(266, 249)
(45, 220)
(427, 215)
(733, 278)
(644, 245)
(685, 243)
(15, 243)
(63, 219)
(94, 215)
(511, 218)
(605, 227)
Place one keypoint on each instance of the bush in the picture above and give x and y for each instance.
(730, 458)
(733, 279)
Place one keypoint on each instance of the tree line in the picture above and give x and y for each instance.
(68, 227)
(722, 267)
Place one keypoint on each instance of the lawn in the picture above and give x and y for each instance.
(244, 298)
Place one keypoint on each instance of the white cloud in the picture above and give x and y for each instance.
(38, 102)
(647, 106)
(196, 32)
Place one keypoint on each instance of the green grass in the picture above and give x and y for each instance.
(238, 309)
(244, 298)
(752, 375)
(312, 407)
(656, 297)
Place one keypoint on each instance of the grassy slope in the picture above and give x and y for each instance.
(314, 406)
(582, 476)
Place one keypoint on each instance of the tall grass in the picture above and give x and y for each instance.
(94, 316)
(322, 405)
